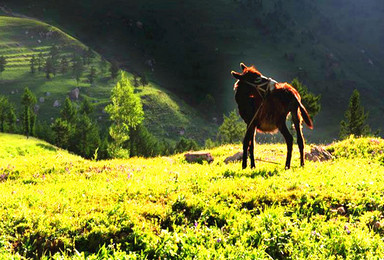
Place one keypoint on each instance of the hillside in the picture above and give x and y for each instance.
(54, 203)
(332, 46)
(167, 117)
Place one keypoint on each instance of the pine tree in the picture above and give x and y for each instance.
(33, 64)
(48, 67)
(355, 118)
(86, 107)
(40, 62)
(54, 55)
(232, 130)
(309, 100)
(3, 62)
(62, 131)
(86, 136)
(77, 68)
(126, 111)
(28, 100)
(68, 112)
(7, 115)
(64, 65)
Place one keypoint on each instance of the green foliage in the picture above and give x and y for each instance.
(92, 75)
(354, 148)
(185, 144)
(125, 112)
(3, 62)
(143, 143)
(28, 100)
(355, 118)
(86, 139)
(232, 130)
(86, 107)
(310, 101)
(68, 112)
(33, 64)
(7, 115)
(63, 132)
(59, 206)
(77, 67)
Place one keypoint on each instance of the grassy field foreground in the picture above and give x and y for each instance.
(54, 204)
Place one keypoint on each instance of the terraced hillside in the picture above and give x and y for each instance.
(21, 39)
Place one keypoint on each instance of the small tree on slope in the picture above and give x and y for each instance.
(126, 112)
(355, 118)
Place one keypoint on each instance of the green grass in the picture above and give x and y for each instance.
(21, 38)
(58, 205)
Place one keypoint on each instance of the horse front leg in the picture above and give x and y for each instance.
(247, 144)
(251, 150)
(289, 140)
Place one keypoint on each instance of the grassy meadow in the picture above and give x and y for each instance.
(54, 204)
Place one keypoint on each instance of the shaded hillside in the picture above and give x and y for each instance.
(333, 46)
(21, 39)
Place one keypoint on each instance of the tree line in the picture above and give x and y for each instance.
(77, 130)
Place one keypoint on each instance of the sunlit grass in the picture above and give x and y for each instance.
(57, 203)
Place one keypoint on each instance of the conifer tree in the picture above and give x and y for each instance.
(355, 118)
(54, 55)
(48, 67)
(62, 130)
(7, 115)
(40, 62)
(86, 107)
(232, 130)
(77, 68)
(28, 100)
(68, 112)
(3, 62)
(86, 136)
(64, 65)
(33, 64)
(309, 100)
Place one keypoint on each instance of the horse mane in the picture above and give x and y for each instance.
(252, 69)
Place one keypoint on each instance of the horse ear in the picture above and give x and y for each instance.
(236, 75)
(242, 66)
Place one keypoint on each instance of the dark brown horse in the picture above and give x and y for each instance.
(264, 105)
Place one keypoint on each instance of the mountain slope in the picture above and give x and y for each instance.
(333, 46)
(166, 116)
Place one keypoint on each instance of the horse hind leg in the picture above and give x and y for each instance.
(289, 140)
(300, 138)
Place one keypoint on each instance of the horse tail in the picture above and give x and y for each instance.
(305, 116)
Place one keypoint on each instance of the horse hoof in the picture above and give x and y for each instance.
(287, 167)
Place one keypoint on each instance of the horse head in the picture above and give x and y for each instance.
(250, 76)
